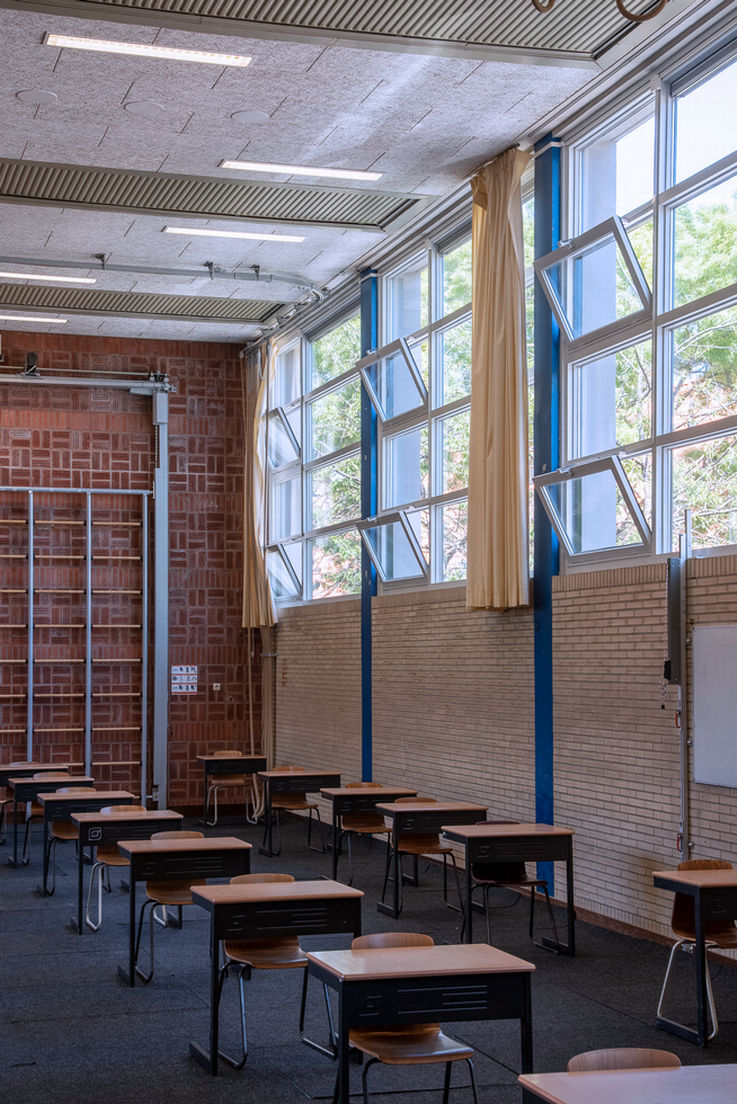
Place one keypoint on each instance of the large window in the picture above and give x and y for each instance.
(645, 291)
(420, 383)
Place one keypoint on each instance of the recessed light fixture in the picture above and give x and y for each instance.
(142, 49)
(300, 170)
(189, 232)
(33, 318)
(49, 279)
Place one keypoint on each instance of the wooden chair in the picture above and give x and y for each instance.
(294, 803)
(408, 1044)
(34, 810)
(61, 830)
(273, 953)
(718, 932)
(224, 782)
(167, 893)
(360, 824)
(513, 876)
(622, 1058)
(417, 844)
(107, 855)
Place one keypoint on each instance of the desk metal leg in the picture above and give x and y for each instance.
(701, 968)
(129, 975)
(468, 903)
(336, 845)
(570, 947)
(46, 860)
(209, 1060)
(78, 921)
(266, 848)
(14, 860)
(526, 1026)
(394, 909)
(343, 1046)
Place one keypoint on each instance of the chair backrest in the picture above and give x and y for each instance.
(51, 776)
(178, 834)
(416, 801)
(364, 786)
(244, 879)
(289, 767)
(391, 939)
(682, 918)
(227, 753)
(621, 1058)
(110, 810)
(75, 789)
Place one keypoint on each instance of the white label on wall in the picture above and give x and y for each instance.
(184, 680)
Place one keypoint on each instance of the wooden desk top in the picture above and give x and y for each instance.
(486, 831)
(297, 773)
(155, 847)
(103, 795)
(699, 878)
(56, 781)
(111, 818)
(438, 961)
(273, 891)
(356, 791)
(245, 755)
(431, 807)
(687, 1085)
(35, 768)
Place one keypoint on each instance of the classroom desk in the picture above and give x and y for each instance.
(232, 764)
(422, 819)
(97, 828)
(26, 788)
(517, 843)
(281, 781)
(159, 860)
(262, 910)
(714, 894)
(406, 985)
(687, 1085)
(58, 806)
(358, 799)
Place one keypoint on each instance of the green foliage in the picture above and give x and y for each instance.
(336, 351)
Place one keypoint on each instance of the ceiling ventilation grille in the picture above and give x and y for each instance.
(135, 304)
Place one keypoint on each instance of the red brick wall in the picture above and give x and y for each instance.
(101, 438)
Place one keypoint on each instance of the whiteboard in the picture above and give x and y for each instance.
(715, 704)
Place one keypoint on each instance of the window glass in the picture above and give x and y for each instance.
(454, 356)
(612, 400)
(335, 564)
(336, 351)
(393, 383)
(593, 512)
(392, 551)
(453, 444)
(456, 277)
(705, 243)
(406, 467)
(617, 174)
(334, 419)
(407, 293)
(706, 122)
(453, 523)
(334, 492)
(287, 382)
(704, 480)
(286, 509)
(282, 446)
(284, 583)
(704, 369)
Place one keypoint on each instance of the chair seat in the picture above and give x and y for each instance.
(291, 801)
(423, 845)
(229, 780)
(64, 830)
(266, 954)
(109, 854)
(415, 1043)
(364, 822)
(723, 936)
(174, 892)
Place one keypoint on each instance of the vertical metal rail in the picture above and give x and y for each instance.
(161, 600)
(546, 446)
(144, 649)
(685, 744)
(369, 505)
(31, 583)
(88, 637)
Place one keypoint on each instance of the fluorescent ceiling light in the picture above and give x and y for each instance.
(141, 49)
(188, 232)
(300, 170)
(33, 318)
(51, 279)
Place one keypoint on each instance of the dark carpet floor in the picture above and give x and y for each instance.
(71, 1032)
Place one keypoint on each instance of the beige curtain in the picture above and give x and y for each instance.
(258, 606)
(497, 491)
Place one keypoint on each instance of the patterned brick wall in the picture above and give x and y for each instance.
(98, 438)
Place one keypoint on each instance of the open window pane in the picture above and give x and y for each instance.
(704, 369)
(407, 299)
(612, 400)
(334, 419)
(284, 571)
(704, 479)
(286, 509)
(453, 444)
(593, 508)
(283, 448)
(335, 352)
(393, 380)
(452, 519)
(456, 278)
(393, 548)
(706, 123)
(705, 243)
(455, 363)
(594, 281)
(406, 467)
(334, 492)
(335, 564)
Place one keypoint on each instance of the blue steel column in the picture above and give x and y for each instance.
(369, 505)
(546, 444)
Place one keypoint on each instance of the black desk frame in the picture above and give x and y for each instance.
(28, 789)
(180, 864)
(234, 764)
(367, 1004)
(291, 782)
(62, 810)
(265, 919)
(357, 801)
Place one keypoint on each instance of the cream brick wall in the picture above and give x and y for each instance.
(453, 716)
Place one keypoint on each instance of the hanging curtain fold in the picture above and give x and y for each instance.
(258, 606)
(498, 480)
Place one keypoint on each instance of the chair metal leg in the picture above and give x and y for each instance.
(26, 839)
(472, 1071)
(211, 791)
(364, 1079)
(244, 975)
(551, 914)
(330, 1051)
(143, 976)
(688, 945)
(96, 873)
(446, 1081)
(50, 866)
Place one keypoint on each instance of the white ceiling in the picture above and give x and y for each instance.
(426, 122)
